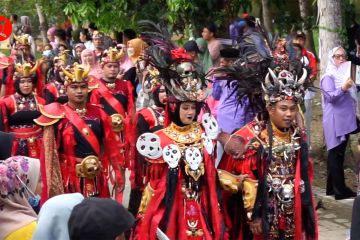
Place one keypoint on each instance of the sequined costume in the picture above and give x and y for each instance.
(286, 182)
(278, 189)
(18, 112)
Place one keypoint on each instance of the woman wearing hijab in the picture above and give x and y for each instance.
(51, 36)
(339, 100)
(78, 48)
(20, 109)
(204, 54)
(54, 216)
(135, 48)
(88, 60)
(20, 187)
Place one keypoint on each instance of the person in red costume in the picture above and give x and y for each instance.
(21, 54)
(79, 144)
(148, 119)
(116, 96)
(180, 199)
(55, 90)
(269, 156)
(18, 111)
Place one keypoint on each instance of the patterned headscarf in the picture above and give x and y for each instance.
(18, 176)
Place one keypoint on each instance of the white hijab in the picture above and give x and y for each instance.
(15, 211)
(54, 215)
(332, 70)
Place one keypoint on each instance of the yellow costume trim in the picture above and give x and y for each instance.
(185, 135)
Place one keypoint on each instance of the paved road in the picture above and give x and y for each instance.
(335, 220)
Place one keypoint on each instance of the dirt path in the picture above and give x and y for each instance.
(319, 153)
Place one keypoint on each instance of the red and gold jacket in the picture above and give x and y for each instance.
(118, 103)
(69, 139)
(170, 203)
(17, 113)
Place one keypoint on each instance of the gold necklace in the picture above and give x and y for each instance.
(110, 85)
(281, 135)
(187, 134)
(81, 112)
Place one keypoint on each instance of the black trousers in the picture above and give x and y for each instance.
(355, 220)
(335, 170)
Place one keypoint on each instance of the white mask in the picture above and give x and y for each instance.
(130, 52)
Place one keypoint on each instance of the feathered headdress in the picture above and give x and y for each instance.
(183, 79)
(265, 83)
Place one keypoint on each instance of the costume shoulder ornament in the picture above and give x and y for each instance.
(50, 114)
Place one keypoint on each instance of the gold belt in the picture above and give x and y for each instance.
(89, 167)
(117, 122)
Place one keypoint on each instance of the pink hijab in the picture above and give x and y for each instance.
(95, 69)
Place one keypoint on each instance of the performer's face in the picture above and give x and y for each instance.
(77, 92)
(162, 94)
(111, 70)
(25, 86)
(187, 112)
(283, 113)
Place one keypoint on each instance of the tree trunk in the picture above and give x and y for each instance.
(43, 22)
(304, 13)
(329, 23)
(267, 19)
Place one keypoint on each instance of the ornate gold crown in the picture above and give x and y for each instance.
(77, 73)
(22, 39)
(64, 56)
(26, 69)
(112, 55)
(152, 79)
